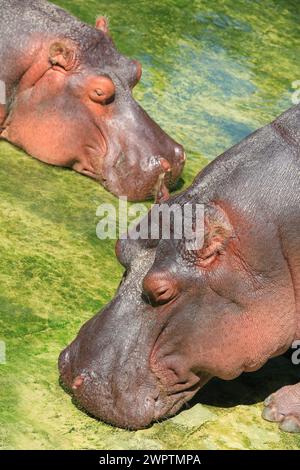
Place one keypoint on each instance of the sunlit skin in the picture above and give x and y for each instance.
(180, 316)
(69, 102)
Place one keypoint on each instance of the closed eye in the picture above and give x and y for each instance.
(164, 296)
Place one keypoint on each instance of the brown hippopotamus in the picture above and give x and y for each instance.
(69, 101)
(181, 316)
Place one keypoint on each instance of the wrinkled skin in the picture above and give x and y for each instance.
(69, 102)
(182, 316)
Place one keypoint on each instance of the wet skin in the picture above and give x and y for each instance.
(180, 317)
(69, 102)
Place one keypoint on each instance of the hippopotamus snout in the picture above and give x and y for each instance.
(142, 161)
(113, 379)
(97, 372)
(95, 389)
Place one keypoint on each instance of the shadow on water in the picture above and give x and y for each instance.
(179, 185)
(250, 388)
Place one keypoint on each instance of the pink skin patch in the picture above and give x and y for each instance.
(78, 382)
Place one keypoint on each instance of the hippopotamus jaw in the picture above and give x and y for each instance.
(172, 399)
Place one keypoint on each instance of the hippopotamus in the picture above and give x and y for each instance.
(68, 102)
(183, 313)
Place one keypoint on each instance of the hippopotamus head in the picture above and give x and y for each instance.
(74, 107)
(182, 315)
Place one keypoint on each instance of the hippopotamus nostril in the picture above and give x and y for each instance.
(78, 382)
(180, 153)
(165, 165)
(63, 361)
(64, 366)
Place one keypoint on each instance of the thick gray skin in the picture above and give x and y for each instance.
(217, 314)
(51, 115)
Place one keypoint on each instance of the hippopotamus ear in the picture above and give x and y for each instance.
(102, 24)
(217, 233)
(62, 55)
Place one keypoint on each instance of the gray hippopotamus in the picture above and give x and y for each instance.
(181, 314)
(69, 102)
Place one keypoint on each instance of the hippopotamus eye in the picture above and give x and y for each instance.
(104, 91)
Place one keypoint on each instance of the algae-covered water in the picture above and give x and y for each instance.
(214, 70)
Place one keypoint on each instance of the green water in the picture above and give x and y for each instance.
(213, 71)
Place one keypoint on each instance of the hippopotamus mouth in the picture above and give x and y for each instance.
(155, 404)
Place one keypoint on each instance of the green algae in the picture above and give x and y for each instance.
(213, 72)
